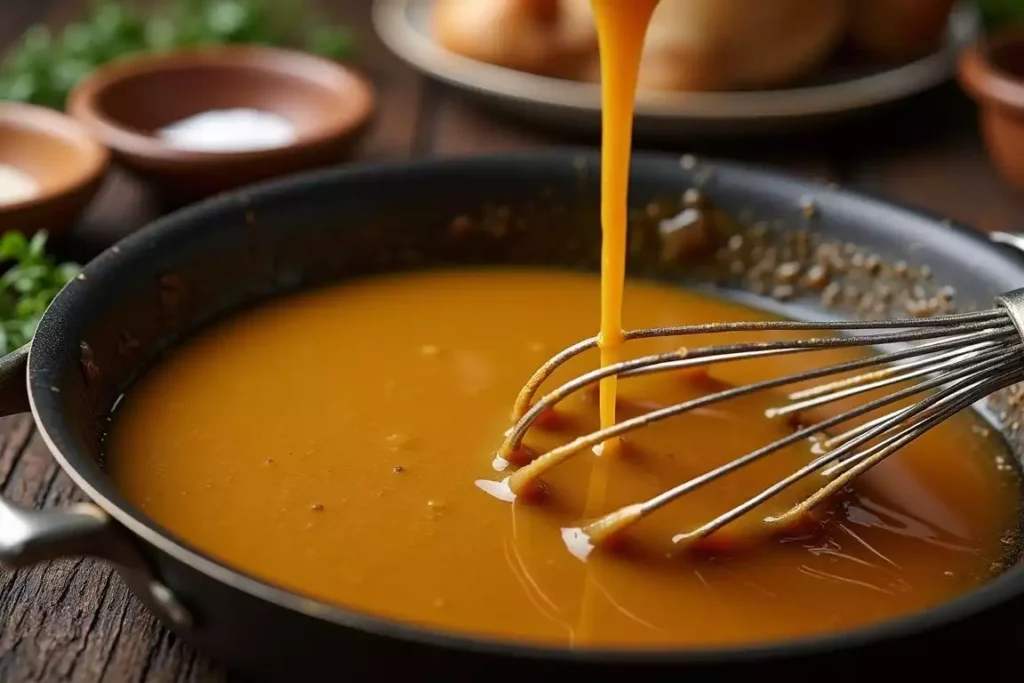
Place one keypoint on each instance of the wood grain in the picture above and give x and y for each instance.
(75, 620)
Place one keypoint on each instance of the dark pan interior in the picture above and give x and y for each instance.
(138, 298)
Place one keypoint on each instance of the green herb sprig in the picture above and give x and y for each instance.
(997, 13)
(45, 67)
(27, 287)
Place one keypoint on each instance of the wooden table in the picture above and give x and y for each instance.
(75, 620)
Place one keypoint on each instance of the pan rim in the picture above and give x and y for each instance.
(50, 424)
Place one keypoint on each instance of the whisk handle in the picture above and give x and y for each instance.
(1013, 302)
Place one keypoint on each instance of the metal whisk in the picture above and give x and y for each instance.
(956, 359)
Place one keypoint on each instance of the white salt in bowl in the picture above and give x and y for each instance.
(50, 169)
(201, 121)
(230, 130)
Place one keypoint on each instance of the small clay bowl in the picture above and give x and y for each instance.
(992, 72)
(65, 161)
(128, 102)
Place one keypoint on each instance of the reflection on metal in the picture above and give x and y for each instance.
(28, 537)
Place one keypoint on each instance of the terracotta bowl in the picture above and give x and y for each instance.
(992, 72)
(60, 155)
(127, 102)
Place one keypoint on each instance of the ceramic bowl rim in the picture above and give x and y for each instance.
(355, 95)
(91, 157)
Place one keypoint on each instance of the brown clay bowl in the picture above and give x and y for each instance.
(65, 161)
(992, 72)
(128, 101)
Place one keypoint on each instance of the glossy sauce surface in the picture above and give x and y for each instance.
(353, 467)
(332, 442)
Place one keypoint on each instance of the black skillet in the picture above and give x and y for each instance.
(141, 296)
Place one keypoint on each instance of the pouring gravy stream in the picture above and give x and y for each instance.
(261, 443)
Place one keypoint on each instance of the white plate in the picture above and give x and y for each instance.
(403, 26)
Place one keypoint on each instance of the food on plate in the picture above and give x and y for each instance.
(898, 30)
(694, 45)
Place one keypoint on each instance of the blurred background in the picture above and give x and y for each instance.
(113, 112)
(862, 93)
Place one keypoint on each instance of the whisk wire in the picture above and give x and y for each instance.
(956, 360)
(522, 402)
(923, 369)
(701, 356)
(846, 470)
(954, 343)
(801, 434)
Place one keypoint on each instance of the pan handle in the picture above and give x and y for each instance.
(13, 385)
(28, 537)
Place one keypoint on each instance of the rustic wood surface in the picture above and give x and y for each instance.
(75, 621)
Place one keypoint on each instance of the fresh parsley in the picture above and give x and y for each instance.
(27, 287)
(997, 13)
(45, 66)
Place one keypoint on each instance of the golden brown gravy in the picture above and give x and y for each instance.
(330, 442)
(621, 30)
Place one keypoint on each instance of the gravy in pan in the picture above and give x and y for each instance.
(332, 442)
(339, 443)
